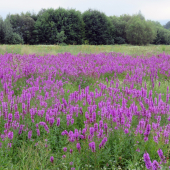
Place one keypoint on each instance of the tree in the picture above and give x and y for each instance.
(2, 34)
(120, 28)
(150, 32)
(167, 25)
(52, 25)
(98, 28)
(45, 29)
(140, 15)
(10, 37)
(139, 31)
(163, 36)
(60, 37)
(74, 28)
(125, 17)
(32, 15)
(23, 25)
(120, 25)
(71, 22)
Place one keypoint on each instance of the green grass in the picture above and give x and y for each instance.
(75, 49)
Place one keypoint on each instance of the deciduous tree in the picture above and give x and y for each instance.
(139, 31)
(98, 28)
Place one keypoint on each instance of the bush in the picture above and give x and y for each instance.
(61, 37)
(17, 39)
(63, 44)
(119, 40)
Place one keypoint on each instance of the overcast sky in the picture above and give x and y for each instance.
(157, 10)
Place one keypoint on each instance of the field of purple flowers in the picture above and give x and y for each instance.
(84, 111)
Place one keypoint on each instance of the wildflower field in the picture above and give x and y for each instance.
(85, 111)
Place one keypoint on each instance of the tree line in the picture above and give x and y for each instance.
(61, 26)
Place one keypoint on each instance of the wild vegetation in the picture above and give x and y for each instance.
(102, 110)
(75, 49)
(61, 26)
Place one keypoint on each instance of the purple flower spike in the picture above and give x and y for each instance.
(155, 165)
(30, 134)
(71, 151)
(78, 147)
(126, 131)
(71, 163)
(147, 160)
(10, 135)
(92, 146)
(65, 149)
(52, 159)
(160, 153)
(58, 122)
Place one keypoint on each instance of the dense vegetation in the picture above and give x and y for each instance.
(85, 111)
(61, 26)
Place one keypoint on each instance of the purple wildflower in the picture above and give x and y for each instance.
(38, 132)
(126, 130)
(91, 131)
(155, 165)
(78, 147)
(71, 151)
(9, 145)
(92, 146)
(64, 156)
(71, 163)
(65, 149)
(10, 135)
(160, 153)
(30, 134)
(51, 159)
(147, 160)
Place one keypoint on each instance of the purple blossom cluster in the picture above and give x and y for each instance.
(110, 106)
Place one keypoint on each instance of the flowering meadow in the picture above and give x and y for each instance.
(84, 111)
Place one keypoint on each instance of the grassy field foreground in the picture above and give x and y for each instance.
(84, 111)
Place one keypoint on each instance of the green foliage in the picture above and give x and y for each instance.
(74, 28)
(61, 37)
(92, 28)
(163, 36)
(10, 37)
(63, 44)
(85, 42)
(71, 22)
(23, 25)
(45, 30)
(17, 39)
(150, 32)
(139, 31)
(8, 32)
(59, 26)
(125, 17)
(167, 25)
(120, 40)
(98, 28)
(1, 31)
(120, 28)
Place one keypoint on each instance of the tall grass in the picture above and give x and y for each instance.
(75, 49)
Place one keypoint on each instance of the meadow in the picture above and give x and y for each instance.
(84, 107)
(75, 49)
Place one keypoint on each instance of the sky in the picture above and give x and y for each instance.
(156, 10)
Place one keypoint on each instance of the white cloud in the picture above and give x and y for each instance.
(157, 10)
